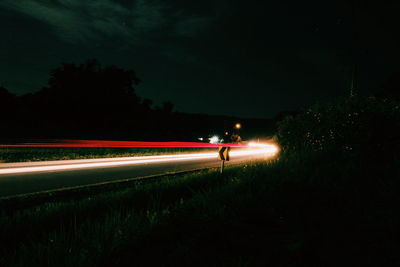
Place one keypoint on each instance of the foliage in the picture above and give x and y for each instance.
(391, 88)
(8, 106)
(357, 123)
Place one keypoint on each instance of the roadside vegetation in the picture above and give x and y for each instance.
(326, 201)
(43, 154)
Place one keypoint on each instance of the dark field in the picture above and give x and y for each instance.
(316, 210)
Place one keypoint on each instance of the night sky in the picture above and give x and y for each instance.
(242, 58)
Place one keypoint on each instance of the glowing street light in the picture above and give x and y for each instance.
(238, 126)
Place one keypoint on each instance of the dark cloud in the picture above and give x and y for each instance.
(252, 58)
(84, 22)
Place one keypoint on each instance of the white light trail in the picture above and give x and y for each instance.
(268, 150)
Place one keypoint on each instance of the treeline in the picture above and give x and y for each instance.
(95, 102)
(367, 127)
(367, 124)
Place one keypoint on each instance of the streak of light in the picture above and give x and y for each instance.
(121, 144)
(268, 151)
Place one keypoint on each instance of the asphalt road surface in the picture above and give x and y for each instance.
(22, 178)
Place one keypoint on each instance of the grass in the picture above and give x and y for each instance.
(42, 154)
(301, 210)
(137, 205)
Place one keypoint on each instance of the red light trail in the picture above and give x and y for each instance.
(121, 144)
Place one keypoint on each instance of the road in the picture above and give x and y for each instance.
(23, 178)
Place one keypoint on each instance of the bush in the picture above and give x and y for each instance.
(355, 124)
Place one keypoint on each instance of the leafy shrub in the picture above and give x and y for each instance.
(350, 125)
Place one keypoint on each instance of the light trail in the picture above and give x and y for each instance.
(269, 150)
(118, 144)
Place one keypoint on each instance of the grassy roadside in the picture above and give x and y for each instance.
(298, 211)
(42, 154)
(72, 221)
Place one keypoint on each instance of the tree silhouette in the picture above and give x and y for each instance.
(8, 111)
(88, 98)
(167, 107)
(391, 88)
(6, 98)
(92, 84)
